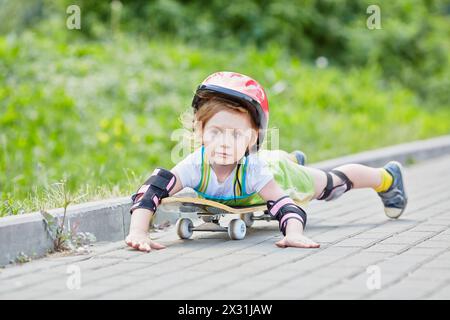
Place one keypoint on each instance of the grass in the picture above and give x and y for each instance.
(100, 114)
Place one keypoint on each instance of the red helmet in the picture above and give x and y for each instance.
(241, 89)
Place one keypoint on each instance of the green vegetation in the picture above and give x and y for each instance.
(97, 107)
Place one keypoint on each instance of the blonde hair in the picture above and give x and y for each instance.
(194, 123)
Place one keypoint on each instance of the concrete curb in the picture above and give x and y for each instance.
(406, 153)
(109, 219)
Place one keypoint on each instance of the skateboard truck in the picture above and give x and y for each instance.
(211, 212)
(236, 229)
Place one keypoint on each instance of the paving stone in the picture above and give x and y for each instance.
(394, 248)
(407, 290)
(442, 293)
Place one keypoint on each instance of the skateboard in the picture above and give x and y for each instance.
(211, 212)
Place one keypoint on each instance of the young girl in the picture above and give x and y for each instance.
(231, 117)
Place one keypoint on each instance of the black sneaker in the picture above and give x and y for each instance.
(300, 157)
(395, 198)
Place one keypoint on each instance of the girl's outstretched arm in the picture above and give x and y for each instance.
(294, 228)
(138, 237)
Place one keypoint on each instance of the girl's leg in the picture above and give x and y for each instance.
(361, 176)
(386, 181)
(319, 178)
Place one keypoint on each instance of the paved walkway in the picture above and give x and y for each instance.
(363, 255)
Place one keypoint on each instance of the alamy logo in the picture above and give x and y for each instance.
(374, 280)
(74, 280)
(74, 20)
(374, 20)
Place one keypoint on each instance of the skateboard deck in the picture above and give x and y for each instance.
(213, 207)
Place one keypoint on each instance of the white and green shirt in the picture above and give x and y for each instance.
(255, 171)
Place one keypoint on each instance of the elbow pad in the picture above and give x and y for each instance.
(157, 187)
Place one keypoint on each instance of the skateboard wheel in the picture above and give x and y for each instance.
(248, 219)
(184, 228)
(237, 229)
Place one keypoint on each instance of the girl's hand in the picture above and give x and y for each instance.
(142, 242)
(298, 240)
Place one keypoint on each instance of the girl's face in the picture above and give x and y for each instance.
(227, 135)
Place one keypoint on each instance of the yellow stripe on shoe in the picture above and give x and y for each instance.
(386, 181)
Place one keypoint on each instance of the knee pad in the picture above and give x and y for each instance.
(284, 209)
(331, 192)
(157, 187)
